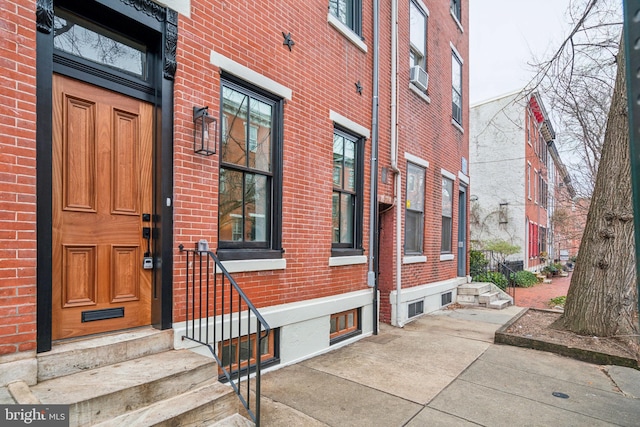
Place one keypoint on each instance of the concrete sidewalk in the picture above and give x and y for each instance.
(444, 370)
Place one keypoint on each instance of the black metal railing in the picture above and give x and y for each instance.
(220, 316)
(510, 274)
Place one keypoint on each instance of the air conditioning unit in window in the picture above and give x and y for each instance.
(419, 77)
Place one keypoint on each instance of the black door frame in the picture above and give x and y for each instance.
(157, 23)
(462, 231)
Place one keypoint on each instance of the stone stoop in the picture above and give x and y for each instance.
(130, 379)
(483, 294)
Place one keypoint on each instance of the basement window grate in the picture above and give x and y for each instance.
(446, 298)
(415, 308)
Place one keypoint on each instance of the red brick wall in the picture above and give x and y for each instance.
(17, 177)
(321, 70)
(425, 130)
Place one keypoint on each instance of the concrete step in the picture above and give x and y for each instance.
(488, 297)
(500, 304)
(100, 394)
(210, 404)
(474, 288)
(235, 420)
(72, 356)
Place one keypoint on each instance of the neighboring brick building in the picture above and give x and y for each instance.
(97, 143)
(515, 164)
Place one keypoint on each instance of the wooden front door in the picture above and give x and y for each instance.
(101, 171)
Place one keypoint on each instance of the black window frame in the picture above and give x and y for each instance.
(446, 239)
(354, 11)
(412, 48)
(354, 248)
(456, 10)
(272, 248)
(456, 110)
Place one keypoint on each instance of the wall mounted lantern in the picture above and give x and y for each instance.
(205, 132)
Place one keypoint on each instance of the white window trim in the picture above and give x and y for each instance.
(420, 93)
(414, 259)
(337, 261)
(455, 51)
(248, 265)
(349, 124)
(347, 32)
(535, 186)
(463, 178)
(421, 5)
(417, 160)
(447, 174)
(457, 125)
(529, 180)
(455, 18)
(246, 73)
(447, 257)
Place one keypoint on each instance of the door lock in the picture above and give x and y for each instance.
(147, 261)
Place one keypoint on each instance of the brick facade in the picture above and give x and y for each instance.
(322, 70)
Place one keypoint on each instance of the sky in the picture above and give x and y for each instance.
(504, 36)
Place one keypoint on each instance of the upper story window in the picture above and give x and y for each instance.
(414, 210)
(417, 35)
(456, 84)
(347, 199)
(456, 10)
(249, 221)
(349, 12)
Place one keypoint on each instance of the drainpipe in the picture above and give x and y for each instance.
(373, 208)
(394, 155)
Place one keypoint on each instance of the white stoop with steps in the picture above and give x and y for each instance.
(130, 379)
(483, 294)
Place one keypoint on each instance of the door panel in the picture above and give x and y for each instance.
(101, 172)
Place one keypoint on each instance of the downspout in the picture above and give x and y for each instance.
(372, 281)
(394, 155)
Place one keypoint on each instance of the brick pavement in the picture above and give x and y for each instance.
(538, 296)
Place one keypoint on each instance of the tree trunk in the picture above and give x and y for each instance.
(602, 296)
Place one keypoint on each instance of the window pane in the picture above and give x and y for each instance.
(256, 208)
(415, 187)
(343, 10)
(82, 39)
(230, 205)
(346, 218)
(350, 323)
(234, 143)
(335, 217)
(246, 350)
(418, 28)
(260, 119)
(334, 325)
(456, 73)
(228, 354)
(413, 232)
(447, 197)
(338, 159)
(349, 165)
(446, 235)
(341, 325)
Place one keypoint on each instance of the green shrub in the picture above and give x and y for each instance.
(557, 301)
(494, 277)
(477, 263)
(524, 279)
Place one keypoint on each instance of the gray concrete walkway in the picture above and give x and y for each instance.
(444, 370)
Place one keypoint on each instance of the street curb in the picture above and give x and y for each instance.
(502, 337)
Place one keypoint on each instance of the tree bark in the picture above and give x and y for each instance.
(602, 295)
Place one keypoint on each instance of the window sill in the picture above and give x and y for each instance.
(455, 18)
(414, 259)
(457, 125)
(347, 32)
(447, 257)
(337, 261)
(249, 265)
(420, 93)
